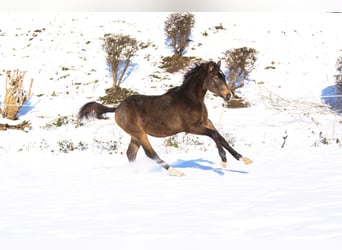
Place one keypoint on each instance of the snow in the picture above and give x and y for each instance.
(72, 187)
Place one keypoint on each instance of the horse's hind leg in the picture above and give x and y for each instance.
(132, 150)
(149, 151)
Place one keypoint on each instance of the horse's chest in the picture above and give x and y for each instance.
(197, 116)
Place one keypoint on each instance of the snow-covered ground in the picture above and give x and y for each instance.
(62, 183)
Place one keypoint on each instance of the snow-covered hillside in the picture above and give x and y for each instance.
(59, 181)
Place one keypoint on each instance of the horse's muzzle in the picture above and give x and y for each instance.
(228, 97)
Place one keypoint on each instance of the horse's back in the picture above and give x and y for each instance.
(155, 115)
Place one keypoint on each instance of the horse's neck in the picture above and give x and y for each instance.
(195, 91)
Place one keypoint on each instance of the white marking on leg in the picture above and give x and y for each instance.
(246, 160)
(175, 172)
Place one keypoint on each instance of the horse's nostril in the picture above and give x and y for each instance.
(228, 97)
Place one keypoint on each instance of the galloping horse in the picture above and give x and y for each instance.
(180, 109)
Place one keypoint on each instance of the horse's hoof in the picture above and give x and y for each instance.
(173, 171)
(224, 164)
(246, 160)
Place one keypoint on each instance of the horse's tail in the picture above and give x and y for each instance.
(94, 109)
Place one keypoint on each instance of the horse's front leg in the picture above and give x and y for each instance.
(225, 144)
(235, 154)
(221, 151)
(220, 147)
(201, 130)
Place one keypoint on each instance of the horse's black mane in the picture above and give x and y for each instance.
(194, 72)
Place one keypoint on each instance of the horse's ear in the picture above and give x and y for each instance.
(211, 66)
(219, 64)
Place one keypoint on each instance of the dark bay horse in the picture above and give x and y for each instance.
(180, 109)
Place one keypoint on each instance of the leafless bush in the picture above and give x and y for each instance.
(119, 52)
(15, 95)
(338, 77)
(240, 63)
(178, 28)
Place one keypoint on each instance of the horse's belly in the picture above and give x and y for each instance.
(160, 130)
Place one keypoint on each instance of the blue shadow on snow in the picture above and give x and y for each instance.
(203, 165)
(26, 108)
(331, 95)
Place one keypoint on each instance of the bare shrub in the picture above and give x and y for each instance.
(15, 95)
(177, 29)
(119, 52)
(240, 63)
(338, 76)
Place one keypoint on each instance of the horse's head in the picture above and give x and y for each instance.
(216, 81)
